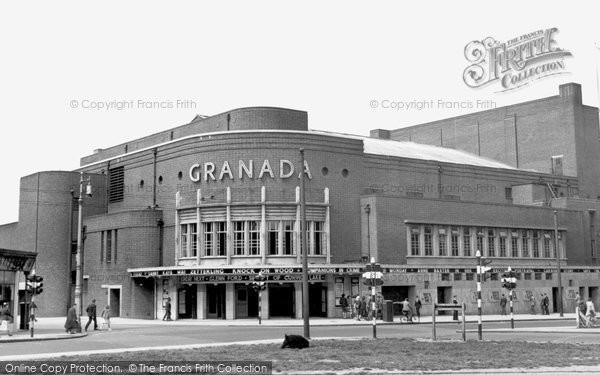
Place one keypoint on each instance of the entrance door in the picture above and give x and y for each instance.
(281, 300)
(246, 302)
(444, 295)
(317, 294)
(114, 300)
(395, 294)
(216, 301)
(187, 306)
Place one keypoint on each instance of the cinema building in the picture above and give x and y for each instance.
(193, 213)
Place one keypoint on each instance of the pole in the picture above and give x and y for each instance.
(368, 211)
(557, 251)
(304, 249)
(479, 272)
(373, 305)
(512, 321)
(78, 254)
(433, 322)
(259, 306)
(464, 321)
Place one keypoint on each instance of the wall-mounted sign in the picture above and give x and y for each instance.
(210, 171)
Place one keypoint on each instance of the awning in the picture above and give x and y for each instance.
(16, 260)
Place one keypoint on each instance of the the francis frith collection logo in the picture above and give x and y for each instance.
(514, 63)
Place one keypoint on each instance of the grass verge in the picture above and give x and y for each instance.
(386, 354)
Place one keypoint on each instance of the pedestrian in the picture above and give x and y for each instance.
(532, 304)
(167, 316)
(344, 303)
(418, 308)
(546, 304)
(91, 311)
(357, 301)
(503, 305)
(590, 310)
(105, 314)
(580, 302)
(32, 311)
(5, 318)
(72, 324)
(455, 312)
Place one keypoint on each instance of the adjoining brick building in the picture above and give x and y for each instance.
(195, 212)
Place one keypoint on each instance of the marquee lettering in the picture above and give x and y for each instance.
(210, 171)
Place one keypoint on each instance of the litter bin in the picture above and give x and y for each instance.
(388, 311)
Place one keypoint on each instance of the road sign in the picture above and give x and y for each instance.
(370, 282)
(375, 268)
(372, 275)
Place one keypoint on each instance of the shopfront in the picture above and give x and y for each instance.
(12, 265)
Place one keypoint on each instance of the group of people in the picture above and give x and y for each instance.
(586, 309)
(544, 304)
(73, 325)
(360, 307)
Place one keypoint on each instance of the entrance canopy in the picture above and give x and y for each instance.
(16, 260)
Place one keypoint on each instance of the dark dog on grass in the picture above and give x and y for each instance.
(294, 342)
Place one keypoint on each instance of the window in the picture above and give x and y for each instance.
(288, 237)
(525, 244)
(593, 233)
(114, 249)
(221, 244)
(514, 244)
(457, 276)
(527, 276)
(254, 237)
(116, 184)
(108, 246)
(272, 237)
(538, 275)
(536, 244)
(548, 275)
(480, 241)
(189, 240)
(184, 241)
(547, 245)
(101, 247)
(414, 241)
(454, 241)
(508, 193)
(469, 276)
(494, 276)
(466, 242)
(239, 237)
(209, 239)
(518, 276)
(557, 165)
(319, 238)
(491, 243)
(502, 243)
(442, 242)
(428, 242)
(445, 277)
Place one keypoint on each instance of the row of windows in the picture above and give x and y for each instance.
(439, 240)
(108, 246)
(470, 276)
(280, 237)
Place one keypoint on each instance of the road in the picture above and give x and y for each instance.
(132, 336)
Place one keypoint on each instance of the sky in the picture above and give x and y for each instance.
(78, 76)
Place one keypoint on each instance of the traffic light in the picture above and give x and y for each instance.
(485, 269)
(34, 284)
(259, 282)
(506, 280)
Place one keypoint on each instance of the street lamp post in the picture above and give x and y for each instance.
(78, 266)
(557, 251)
(368, 211)
(304, 250)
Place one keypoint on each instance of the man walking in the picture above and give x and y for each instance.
(546, 304)
(91, 311)
(167, 310)
(418, 308)
(5, 317)
(455, 312)
(503, 305)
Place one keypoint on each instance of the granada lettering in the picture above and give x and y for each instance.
(245, 169)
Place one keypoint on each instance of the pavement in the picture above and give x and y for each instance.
(52, 328)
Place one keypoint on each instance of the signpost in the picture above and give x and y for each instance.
(259, 285)
(372, 277)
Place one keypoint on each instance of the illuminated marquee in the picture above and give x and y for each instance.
(209, 171)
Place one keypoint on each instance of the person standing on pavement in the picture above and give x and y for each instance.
(590, 310)
(91, 311)
(344, 303)
(105, 314)
(532, 304)
(503, 305)
(72, 324)
(167, 316)
(546, 304)
(455, 312)
(5, 318)
(580, 302)
(418, 308)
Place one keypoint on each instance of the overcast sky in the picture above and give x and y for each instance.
(329, 58)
